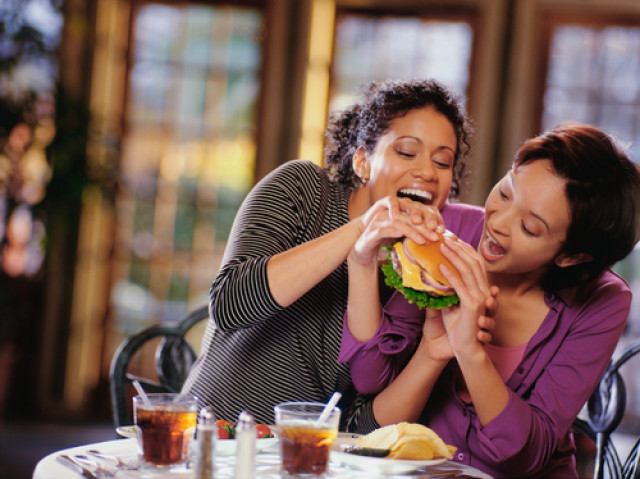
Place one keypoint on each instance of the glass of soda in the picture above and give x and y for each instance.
(166, 424)
(305, 442)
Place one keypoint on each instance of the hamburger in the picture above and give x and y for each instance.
(414, 270)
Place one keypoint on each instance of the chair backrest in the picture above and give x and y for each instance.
(604, 412)
(174, 356)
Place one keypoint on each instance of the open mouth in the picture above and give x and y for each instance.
(414, 194)
(491, 249)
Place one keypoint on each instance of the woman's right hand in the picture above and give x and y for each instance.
(466, 323)
(390, 219)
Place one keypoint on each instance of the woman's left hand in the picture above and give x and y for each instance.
(435, 334)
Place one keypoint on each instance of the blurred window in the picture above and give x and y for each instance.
(593, 77)
(369, 47)
(188, 152)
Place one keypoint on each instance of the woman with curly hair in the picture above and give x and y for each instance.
(278, 300)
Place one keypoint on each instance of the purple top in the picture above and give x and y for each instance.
(561, 366)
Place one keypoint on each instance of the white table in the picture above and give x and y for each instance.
(267, 465)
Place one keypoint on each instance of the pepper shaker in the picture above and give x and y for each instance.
(206, 435)
(246, 453)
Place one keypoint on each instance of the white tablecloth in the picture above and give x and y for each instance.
(267, 465)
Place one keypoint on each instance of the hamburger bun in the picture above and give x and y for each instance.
(429, 256)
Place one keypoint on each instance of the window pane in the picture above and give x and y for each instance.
(593, 78)
(149, 84)
(188, 151)
(157, 29)
(376, 48)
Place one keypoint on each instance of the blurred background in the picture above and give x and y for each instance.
(131, 130)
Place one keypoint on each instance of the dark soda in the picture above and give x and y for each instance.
(305, 450)
(166, 433)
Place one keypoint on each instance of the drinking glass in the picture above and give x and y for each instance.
(166, 423)
(305, 443)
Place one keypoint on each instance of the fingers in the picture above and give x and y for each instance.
(485, 328)
(491, 303)
(484, 336)
(469, 265)
(433, 314)
(427, 219)
(486, 323)
(397, 217)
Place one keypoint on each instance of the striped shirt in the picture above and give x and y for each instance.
(256, 353)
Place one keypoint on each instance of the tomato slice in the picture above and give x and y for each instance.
(263, 431)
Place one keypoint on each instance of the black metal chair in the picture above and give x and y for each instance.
(174, 356)
(604, 412)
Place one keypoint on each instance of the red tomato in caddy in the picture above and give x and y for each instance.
(225, 429)
(263, 431)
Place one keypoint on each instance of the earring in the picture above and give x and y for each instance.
(363, 180)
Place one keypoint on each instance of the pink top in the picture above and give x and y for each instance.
(504, 359)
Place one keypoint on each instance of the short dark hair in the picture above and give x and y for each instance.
(603, 191)
(363, 123)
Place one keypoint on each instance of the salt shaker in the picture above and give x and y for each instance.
(206, 435)
(246, 452)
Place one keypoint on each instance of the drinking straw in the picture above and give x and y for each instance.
(143, 395)
(329, 407)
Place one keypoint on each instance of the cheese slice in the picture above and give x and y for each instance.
(410, 270)
(411, 274)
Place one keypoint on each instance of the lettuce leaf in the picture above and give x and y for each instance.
(419, 298)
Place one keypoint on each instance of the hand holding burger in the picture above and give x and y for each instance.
(414, 270)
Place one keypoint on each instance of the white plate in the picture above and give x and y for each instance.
(228, 447)
(380, 465)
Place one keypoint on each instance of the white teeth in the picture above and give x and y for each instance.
(491, 239)
(487, 247)
(415, 192)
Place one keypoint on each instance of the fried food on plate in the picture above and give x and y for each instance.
(408, 441)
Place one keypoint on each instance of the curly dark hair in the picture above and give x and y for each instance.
(603, 191)
(363, 123)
